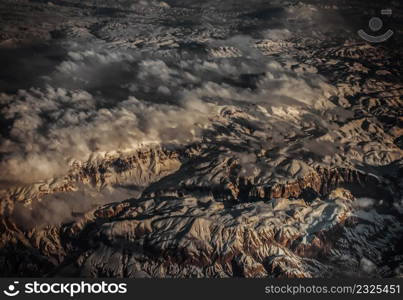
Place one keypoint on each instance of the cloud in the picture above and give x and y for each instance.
(52, 127)
(62, 207)
(99, 100)
(277, 34)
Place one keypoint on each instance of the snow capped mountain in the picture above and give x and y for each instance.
(187, 139)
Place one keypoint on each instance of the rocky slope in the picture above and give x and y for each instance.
(170, 139)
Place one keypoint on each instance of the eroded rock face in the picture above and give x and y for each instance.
(211, 148)
(137, 170)
(193, 237)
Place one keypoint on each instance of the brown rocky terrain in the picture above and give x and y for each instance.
(172, 139)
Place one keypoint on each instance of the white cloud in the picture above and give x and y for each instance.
(78, 113)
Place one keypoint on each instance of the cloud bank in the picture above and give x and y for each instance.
(98, 100)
